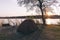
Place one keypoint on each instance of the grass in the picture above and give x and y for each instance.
(56, 31)
(50, 31)
(3, 36)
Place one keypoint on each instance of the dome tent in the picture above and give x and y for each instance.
(26, 27)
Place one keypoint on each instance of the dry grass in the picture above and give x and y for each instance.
(56, 31)
(49, 33)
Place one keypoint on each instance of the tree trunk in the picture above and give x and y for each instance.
(43, 17)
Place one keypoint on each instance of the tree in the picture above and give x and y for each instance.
(30, 4)
(40, 4)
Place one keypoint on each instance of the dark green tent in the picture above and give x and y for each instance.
(27, 26)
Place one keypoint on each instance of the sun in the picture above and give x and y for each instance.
(49, 14)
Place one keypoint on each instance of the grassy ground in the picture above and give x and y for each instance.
(55, 30)
(49, 33)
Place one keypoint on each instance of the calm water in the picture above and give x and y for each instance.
(18, 21)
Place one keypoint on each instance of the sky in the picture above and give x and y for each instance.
(11, 8)
(56, 7)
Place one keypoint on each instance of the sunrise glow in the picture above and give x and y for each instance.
(11, 8)
(49, 14)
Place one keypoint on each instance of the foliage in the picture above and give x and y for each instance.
(35, 4)
(40, 6)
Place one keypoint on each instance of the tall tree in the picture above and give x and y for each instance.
(30, 4)
(40, 4)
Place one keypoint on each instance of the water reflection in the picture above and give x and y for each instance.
(52, 21)
(18, 21)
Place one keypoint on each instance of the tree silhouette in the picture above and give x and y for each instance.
(30, 4)
(40, 4)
